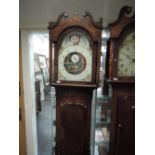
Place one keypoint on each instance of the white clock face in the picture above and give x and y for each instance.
(75, 58)
(126, 56)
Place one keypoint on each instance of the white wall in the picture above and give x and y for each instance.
(29, 93)
(37, 13)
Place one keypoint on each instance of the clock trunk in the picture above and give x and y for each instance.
(73, 111)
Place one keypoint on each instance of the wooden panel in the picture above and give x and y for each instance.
(122, 136)
(22, 133)
(124, 125)
(73, 121)
(86, 22)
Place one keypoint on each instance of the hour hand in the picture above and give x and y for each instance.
(133, 59)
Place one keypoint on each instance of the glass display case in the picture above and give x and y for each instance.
(53, 138)
(101, 124)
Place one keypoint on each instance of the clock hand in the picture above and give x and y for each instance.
(133, 60)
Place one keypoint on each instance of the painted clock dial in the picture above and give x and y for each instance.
(75, 58)
(126, 56)
(75, 63)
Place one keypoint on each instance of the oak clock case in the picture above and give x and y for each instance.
(75, 43)
(121, 48)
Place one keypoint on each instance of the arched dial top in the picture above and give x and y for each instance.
(75, 58)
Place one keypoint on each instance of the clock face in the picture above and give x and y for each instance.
(126, 56)
(75, 58)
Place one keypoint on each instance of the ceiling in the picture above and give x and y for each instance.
(38, 13)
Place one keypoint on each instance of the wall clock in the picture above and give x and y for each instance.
(75, 47)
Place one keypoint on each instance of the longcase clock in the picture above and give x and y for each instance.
(75, 47)
(121, 48)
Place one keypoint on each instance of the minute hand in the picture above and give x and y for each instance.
(129, 56)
